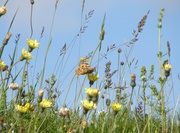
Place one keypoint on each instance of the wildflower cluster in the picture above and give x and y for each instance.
(43, 103)
(92, 93)
(26, 55)
(32, 110)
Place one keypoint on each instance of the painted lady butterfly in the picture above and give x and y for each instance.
(84, 68)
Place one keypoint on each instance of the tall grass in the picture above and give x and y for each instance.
(106, 107)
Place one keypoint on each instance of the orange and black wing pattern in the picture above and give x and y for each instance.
(84, 68)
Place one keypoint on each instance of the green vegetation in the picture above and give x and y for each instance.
(31, 110)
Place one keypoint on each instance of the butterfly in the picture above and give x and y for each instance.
(84, 68)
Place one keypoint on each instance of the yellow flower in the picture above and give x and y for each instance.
(32, 43)
(93, 77)
(167, 67)
(26, 55)
(2, 64)
(22, 109)
(92, 92)
(45, 103)
(2, 10)
(88, 105)
(116, 106)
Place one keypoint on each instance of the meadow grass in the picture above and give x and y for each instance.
(29, 110)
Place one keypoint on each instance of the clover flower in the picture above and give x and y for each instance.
(92, 92)
(102, 112)
(64, 112)
(13, 86)
(88, 105)
(22, 109)
(25, 55)
(116, 106)
(45, 103)
(32, 44)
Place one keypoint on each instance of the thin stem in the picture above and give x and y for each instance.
(31, 21)
(129, 107)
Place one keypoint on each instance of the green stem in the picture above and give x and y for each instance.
(163, 106)
(144, 96)
(129, 107)
(159, 52)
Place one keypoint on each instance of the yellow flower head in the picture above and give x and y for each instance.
(92, 92)
(167, 67)
(116, 106)
(2, 10)
(88, 105)
(2, 64)
(32, 43)
(45, 103)
(26, 55)
(22, 109)
(93, 77)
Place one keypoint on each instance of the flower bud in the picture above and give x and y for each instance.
(122, 63)
(3, 10)
(101, 37)
(5, 41)
(108, 101)
(4, 68)
(40, 95)
(95, 98)
(84, 123)
(119, 51)
(133, 82)
(41, 92)
(32, 2)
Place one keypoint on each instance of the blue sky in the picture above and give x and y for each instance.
(122, 16)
